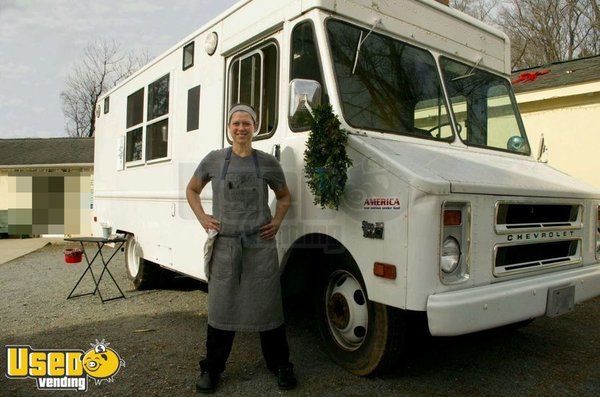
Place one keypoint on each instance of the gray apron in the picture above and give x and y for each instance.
(244, 288)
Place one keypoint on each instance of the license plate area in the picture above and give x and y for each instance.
(561, 300)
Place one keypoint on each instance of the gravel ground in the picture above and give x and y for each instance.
(160, 335)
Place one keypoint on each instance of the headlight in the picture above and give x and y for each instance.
(455, 242)
(450, 255)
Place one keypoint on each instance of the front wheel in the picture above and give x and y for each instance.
(144, 274)
(361, 336)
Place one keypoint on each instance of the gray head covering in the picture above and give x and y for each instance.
(241, 108)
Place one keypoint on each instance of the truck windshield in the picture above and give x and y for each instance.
(388, 85)
(484, 108)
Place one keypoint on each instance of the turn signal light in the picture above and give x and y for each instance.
(452, 217)
(384, 270)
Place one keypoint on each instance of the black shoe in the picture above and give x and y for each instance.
(285, 377)
(207, 382)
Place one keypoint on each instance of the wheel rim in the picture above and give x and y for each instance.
(346, 310)
(133, 257)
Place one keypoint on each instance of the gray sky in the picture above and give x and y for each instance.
(40, 40)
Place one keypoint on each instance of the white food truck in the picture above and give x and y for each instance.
(446, 215)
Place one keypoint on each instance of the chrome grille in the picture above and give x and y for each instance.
(534, 236)
(519, 216)
(536, 256)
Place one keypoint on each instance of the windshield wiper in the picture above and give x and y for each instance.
(361, 41)
(470, 72)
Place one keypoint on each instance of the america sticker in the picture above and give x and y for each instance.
(382, 203)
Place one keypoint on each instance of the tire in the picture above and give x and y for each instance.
(143, 273)
(363, 337)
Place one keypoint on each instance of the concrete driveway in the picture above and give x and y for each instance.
(14, 248)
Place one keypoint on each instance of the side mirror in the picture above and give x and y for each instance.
(302, 93)
(517, 144)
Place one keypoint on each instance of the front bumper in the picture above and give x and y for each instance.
(494, 305)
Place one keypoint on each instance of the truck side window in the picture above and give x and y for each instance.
(253, 80)
(193, 108)
(135, 117)
(188, 56)
(157, 130)
(305, 63)
(152, 134)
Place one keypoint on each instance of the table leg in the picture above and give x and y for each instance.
(89, 267)
(105, 268)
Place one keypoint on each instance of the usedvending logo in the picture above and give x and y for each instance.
(382, 203)
(63, 369)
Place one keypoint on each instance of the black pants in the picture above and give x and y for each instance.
(218, 346)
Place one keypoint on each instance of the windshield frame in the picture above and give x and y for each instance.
(387, 35)
(511, 95)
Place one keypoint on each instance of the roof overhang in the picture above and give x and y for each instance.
(558, 92)
(30, 166)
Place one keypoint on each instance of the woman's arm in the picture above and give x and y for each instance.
(284, 200)
(192, 193)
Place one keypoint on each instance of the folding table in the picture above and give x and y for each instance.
(100, 242)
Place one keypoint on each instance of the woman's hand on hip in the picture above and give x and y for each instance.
(208, 222)
(269, 230)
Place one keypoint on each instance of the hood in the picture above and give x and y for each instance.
(443, 169)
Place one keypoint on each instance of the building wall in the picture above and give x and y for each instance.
(38, 202)
(571, 130)
(20, 203)
(3, 203)
(77, 204)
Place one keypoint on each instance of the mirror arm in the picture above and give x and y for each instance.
(308, 107)
(542, 149)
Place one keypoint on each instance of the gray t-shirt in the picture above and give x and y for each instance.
(211, 166)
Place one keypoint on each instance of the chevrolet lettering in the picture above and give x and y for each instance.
(540, 235)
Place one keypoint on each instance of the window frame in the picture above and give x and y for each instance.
(440, 78)
(106, 105)
(141, 161)
(188, 45)
(156, 118)
(143, 89)
(319, 60)
(146, 135)
(511, 95)
(145, 124)
(197, 119)
(228, 87)
(240, 59)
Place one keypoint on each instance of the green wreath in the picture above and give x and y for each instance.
(325, 159)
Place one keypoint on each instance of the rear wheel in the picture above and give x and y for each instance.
(143, 273)
(360, 335)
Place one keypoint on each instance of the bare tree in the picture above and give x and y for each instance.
(103, 65)
(549, 31)
(542, 31)
(484, 10)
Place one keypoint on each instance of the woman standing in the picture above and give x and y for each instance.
(244, 287)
